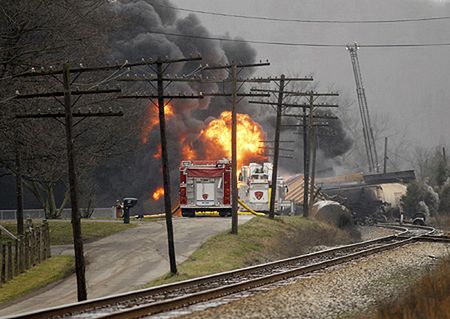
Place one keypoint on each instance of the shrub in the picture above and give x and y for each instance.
(444, 205)
(420, 191)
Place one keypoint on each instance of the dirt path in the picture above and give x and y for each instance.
(128, 260)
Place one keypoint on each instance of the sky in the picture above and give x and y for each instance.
(408, 85)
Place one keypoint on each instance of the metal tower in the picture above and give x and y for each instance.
(369, 140)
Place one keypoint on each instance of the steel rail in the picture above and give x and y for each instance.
(93, 306)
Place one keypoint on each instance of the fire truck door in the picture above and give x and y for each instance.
(205, 193)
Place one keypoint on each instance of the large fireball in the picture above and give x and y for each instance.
(152, 119)
(217, 139)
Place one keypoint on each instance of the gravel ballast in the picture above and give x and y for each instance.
(339, 292)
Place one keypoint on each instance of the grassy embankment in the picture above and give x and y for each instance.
(49, 271)
(428, 298)
(57, 267)
(259, 240)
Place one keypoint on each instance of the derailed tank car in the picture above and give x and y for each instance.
(369, 201)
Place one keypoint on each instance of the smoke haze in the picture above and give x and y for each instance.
(133, 41)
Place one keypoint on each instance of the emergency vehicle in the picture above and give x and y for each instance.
(205, 186)
(254, 188)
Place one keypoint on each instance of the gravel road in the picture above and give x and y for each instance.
(128, 260)
(339, 292)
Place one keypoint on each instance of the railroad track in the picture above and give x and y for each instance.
(145, 302)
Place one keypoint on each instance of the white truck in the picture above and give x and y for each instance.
(254, 188)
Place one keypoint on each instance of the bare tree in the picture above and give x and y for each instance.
(44, 33)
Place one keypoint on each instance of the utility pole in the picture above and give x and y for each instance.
(161, 97)
(234, 188)
(309, 149)
(165, 169)
(281, 82)
(277, 148)
(306, 158)
(234, 70)
(69, 114)
(307, 127)
(385, 155)
(313, 165)
(314, 145)
(76, 222)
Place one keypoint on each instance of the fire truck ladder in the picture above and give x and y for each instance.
(369, 140)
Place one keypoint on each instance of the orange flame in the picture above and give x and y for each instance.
(158, 193)
(187, 150)
(153, 120)
(217, 139)
(158, 152)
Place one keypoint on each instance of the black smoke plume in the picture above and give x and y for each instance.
(139, 173)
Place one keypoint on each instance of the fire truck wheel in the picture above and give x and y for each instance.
(188, 213)
(225, 213)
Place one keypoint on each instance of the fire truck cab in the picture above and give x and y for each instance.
(205, 186)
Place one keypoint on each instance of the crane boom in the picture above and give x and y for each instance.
(369, 140)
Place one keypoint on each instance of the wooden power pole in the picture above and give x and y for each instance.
(276, 152)
(76, 222)
(69, 114)
(280, 105)
(161, 97)
(234, 70)
(307, 127)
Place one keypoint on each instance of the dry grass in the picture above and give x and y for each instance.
(429, 298)
(441, 222)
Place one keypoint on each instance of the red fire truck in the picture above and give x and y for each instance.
(205, 186)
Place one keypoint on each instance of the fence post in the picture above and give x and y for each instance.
(47, 239)
(21, 253)
(3, 274)
(16, 257)
(38, 244)
(49, 247)
(33, 247)
(10, 260)
(26, 243)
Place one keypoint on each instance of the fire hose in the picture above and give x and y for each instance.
(249, 209)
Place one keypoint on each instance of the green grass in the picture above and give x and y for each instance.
(51, 270)
(61, 230)
(259, 240)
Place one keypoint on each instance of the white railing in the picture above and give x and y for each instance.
(107, 212)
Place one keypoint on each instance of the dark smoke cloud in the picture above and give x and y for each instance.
(139, 174)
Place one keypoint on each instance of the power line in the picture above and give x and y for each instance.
(303, 44)
(323, 21)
